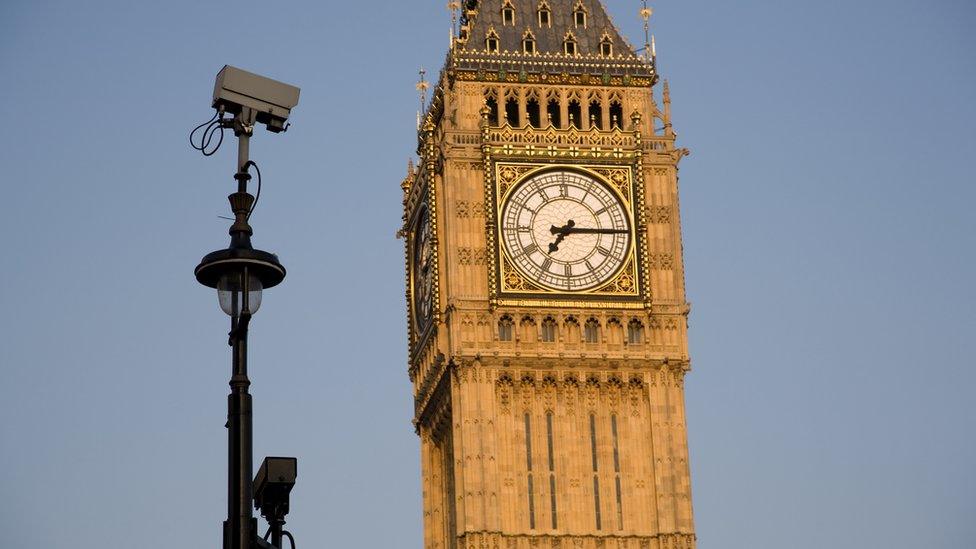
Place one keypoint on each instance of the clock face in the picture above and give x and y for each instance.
(565, 230)
(423, 270)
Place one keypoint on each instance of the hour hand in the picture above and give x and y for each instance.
(564, 230)
(554, 246)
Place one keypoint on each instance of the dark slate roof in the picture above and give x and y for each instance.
(548, 40)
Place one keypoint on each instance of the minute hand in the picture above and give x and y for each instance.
(581, 230)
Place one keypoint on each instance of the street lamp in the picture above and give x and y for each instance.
(240, 273)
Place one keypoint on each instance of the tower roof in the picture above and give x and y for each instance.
(485, 18)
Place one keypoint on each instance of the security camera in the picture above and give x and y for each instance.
(272, 485)
(268, 101)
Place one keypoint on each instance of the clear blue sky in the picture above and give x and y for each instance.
(829, 240)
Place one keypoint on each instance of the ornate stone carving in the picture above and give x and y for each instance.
(465, 209)
(661, 260)
(659, 214)
(472, 256)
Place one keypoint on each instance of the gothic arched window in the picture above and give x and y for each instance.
(616, 115)
(635, 332)
(505, 328)
(492, 105)
(545, 15)
(579, 15)
(508, 13)
(575, 113)
(596, 114)
(591, 331)
(552, 112)
(569, 45)
(528, 42)
(491, 41)
(512, 112)
(532, 111)
(548, 330)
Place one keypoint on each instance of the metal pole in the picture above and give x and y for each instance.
(240, 528)
(239, 515)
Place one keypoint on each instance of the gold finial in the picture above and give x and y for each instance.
(406, 184)
(645, 13)
(422, 86)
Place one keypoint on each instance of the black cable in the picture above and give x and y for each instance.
(196, 129)
(210, 127)
(257, 196)
(267, 534)
(290, 538)
(208, 137)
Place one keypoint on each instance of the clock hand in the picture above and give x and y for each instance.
(555, 245)
(581, 230)
(562, 230)
(571, 228)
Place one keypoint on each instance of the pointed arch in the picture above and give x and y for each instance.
(508, 13)
(570, 44)
(533, 109)
(553, 109)
(591, 330)
(544, 15)
(606, 45)
(548, 329)
(579, 14)
(528, 42)
(491, 101)
(505, 328)
(491, 40)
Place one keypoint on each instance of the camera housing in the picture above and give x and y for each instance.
(272, 485)
(269, 100)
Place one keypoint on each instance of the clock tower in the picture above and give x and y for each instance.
(545, 288)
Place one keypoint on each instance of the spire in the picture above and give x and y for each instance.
(645, 14)
(422, 86)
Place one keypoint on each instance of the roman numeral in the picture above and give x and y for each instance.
(603, 250)
(530, 249)
(598, 212)
(569, 271)
(546, 264)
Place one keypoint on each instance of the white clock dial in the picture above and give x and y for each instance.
(565, 230)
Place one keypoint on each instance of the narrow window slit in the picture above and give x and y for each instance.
(552, 471)
(596, 476)
(616, 471)
(528, 464)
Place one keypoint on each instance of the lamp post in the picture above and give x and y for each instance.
(240, 273)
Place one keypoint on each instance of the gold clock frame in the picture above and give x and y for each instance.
(508, 287)
(423, 199)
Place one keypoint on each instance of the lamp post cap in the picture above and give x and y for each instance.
(264, 265)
